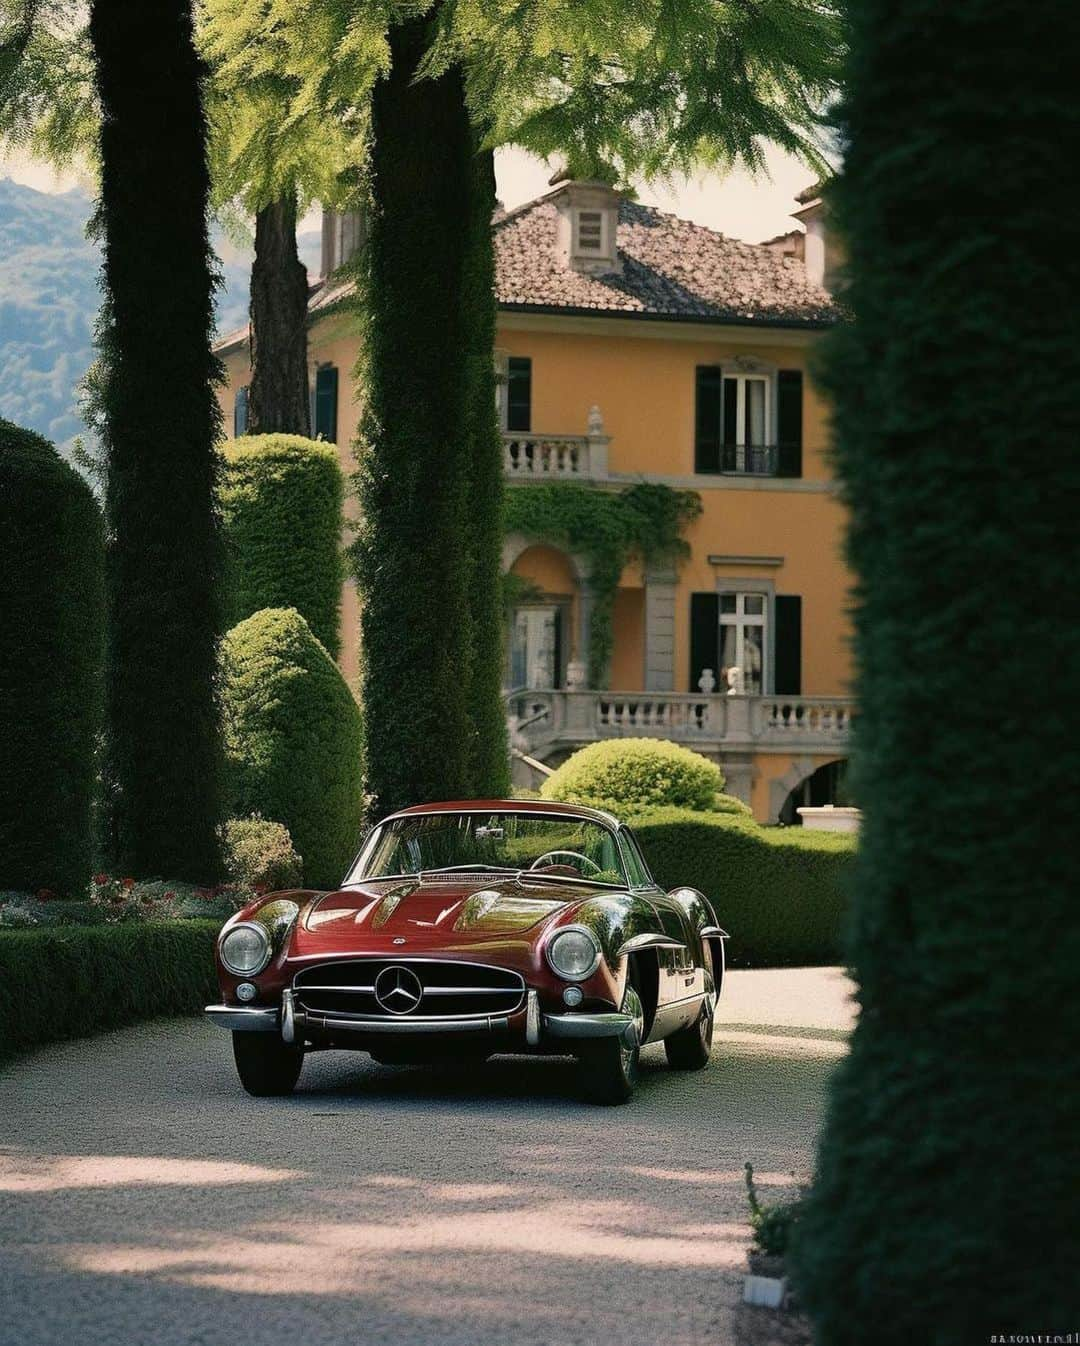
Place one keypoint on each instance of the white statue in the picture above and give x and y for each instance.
(596, 421)
(734, 681)
(707, 682)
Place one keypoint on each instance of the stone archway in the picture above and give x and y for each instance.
(800, 770)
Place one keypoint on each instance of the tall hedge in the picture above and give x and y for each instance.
(52, 597)
(281, 501)
(160, 423)
(413, 558)
(782, 894)
(945, 1204)
(294, 739)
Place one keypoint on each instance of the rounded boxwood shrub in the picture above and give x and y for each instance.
(294, 739)
(636, 773)
(52, 597)
(281, 505)
(259, 854)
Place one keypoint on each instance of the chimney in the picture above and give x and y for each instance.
(588, 223)
(343, 233)
(817, 256)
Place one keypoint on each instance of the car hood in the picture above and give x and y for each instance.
(455, 910)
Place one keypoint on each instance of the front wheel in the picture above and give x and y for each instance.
(609, 1067)
(267, 1067)
(690, 1048)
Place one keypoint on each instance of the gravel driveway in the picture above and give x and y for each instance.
(145, 1199)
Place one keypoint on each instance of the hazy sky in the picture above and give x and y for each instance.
(738, 205)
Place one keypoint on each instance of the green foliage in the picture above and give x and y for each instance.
(636, 773)
(51, 592)
(413, 562)
(260, 854)
(772, 1225)
(944, 1205)
(101, 977)
(160, 421)
(294, 739)
(281, 501)
(780, 892)
(609, 529)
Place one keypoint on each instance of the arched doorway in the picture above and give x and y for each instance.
(826, 785)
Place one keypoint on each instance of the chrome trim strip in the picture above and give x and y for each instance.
(604, 1025)
(713, 932)
(428, 990)
(532, 1019)
(487, 1024)
(639, 942)
(243, 1018)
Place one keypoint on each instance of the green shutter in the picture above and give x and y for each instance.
(708, 412)
(789, 431)
(326, 399)
(519, 393)
(788, 645)
(704, 637)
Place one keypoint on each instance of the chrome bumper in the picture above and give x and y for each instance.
(605, 1025)
(244, 1018)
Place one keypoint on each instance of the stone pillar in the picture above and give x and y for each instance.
(584, 623)
(598, 443)
(660, 630)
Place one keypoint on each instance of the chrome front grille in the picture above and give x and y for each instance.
(407, 989)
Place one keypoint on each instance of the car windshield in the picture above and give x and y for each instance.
(549, 846)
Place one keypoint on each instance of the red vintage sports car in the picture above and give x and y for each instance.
(472, 929)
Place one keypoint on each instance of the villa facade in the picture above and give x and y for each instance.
(636, 347)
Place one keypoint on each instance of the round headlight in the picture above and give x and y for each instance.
(245, 950)
(574, 953)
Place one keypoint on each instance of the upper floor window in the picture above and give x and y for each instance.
(517, 403)
(748, 422)
(324, 419)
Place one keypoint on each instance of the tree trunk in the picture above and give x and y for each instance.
(944, 1208)
(161, 422)
(412, 556)
(482, 528)
(278, 399)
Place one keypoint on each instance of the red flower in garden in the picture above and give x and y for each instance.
(168, 897)
(129, 883)
(259, 889)
(101, 879)
(45, 894)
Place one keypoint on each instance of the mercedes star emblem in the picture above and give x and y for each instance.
(398, 990)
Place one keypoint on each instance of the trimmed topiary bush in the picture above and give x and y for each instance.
(294, 739)
(281, 502)
(260, 854)
(100, 977)
(781, 893)
(52, 596)
(636, 773)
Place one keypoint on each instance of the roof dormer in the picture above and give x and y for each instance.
(588, 225)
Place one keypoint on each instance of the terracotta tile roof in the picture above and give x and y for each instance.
(670, 269)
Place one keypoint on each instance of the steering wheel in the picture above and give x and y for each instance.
(576, 855)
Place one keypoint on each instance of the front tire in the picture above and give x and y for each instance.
(609, 1068)
(268, 1067)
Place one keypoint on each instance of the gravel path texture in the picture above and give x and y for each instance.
(145, 1199)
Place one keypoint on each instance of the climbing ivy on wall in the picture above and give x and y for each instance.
(607, 528)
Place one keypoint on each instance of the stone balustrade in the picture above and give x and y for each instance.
(537, 457)
(545, 721)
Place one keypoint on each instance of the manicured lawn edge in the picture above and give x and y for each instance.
(72, 981)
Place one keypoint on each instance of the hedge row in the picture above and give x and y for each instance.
(52, 597)
(281, 502)
(70, 981)
(780, 893)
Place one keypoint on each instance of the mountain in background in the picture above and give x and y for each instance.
(49, 299)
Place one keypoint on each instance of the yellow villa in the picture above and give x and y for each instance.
(635, 347)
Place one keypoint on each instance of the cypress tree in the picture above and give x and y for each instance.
(278, 398)
(412, 560)
(160, 422)
(944, 1207)
(482, 526)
